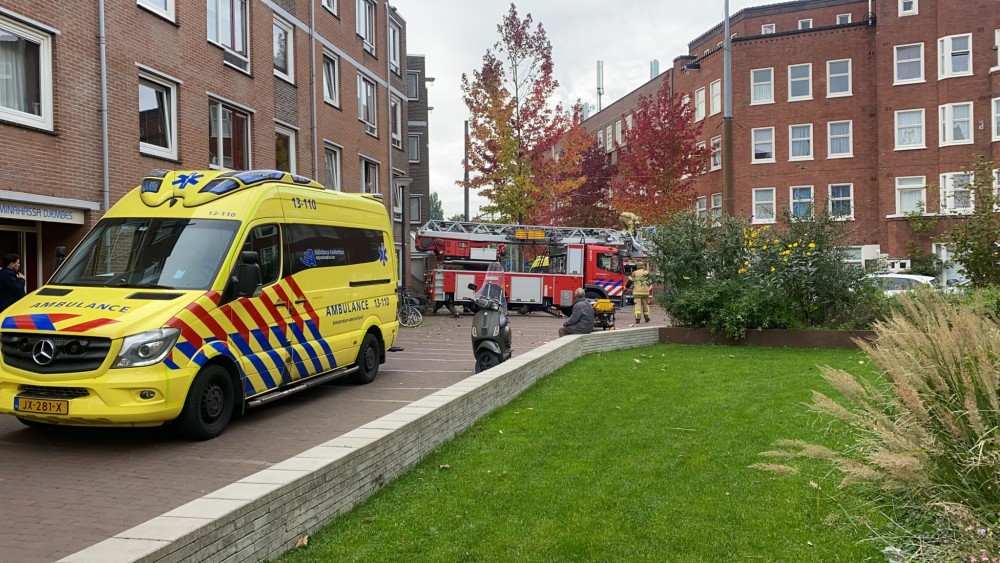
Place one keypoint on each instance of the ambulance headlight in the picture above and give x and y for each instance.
(147, 348)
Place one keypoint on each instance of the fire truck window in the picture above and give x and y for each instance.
(607, 262)
(265, 240)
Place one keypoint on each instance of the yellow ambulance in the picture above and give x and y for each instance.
(200, 294)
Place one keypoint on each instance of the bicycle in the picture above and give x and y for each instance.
(409, 315)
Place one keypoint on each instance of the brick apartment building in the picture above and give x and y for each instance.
(845, 105)
(189, 85)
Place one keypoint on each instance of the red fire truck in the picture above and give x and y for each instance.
(545, 265)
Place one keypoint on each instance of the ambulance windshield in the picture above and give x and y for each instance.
(150, 253)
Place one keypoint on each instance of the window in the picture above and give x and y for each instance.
(331, 5)
(163, 8)
(414, 216)
(763, 145)
(839, 139)
(800, 143)
(715, 97)
(842, 201)
(800, 82)
(25, 75)
(909, 63)
(331, 79)
(332, 161)
(394, 47)
(955, 56)
(265, 240)
(806, 24)
(996, 119)
(284, 149)
(767, 28)
(838, 78)
(801, 201)
(618, 132)
(956, 192)
(324, 246)
(412, 81)
(911, 194)
(413, 147)
(366, 105)
(843, 19)
(610, 146)
(284, 49)
(762, 86)
(366, 23)
(600, 138)
(701, 208)
(227, 27)
(716, 209)
(701, 148)
(628, 122)
(956, 124)
(996, 45)
(907, 7)
(157, 117)
(228, 137)
(910, 129)
(763, 205)
(369, 176)
(699, 104)
(716, 153)
(396, 123)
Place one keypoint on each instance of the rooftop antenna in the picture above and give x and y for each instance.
(654, 68)
(600, 83)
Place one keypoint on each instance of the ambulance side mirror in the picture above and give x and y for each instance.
(60, 257)
(248, 278)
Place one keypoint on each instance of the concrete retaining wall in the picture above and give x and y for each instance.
(261, 517)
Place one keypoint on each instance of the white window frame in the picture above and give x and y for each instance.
(946, 54)
(793, 200)
(753, 146)
(410, 138)
(845, 17)
(910, 183)
(996, 47)
(946, 120)
(396, 122)
(830, 76)
(289, 29)
(716, 210)
(600, 138)
(699, 104)
(365, 18)
(701, 147)
(414, 77)
(215, 35)
(331, 5)
(170, 151)
(394, 48)
(753, 83)
(415, 218)
(368, 98)
(830, 138)
(922, 144)
(45, 118)
(996, 119)
(715, 97)
(716, 159)
(807, 79)
(896, 62)
(767, 29)
(911, 11)
(290, 134)
(948, 193)
(609, 144)
(701, 208)
(220, 149)
(772, 203)
(167, 11)
(850, 201)
(618, 132)
(792, 140)
(365, 164)
(805, 24)
(331, 79)
(333, 178)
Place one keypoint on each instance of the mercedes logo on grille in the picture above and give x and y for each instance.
(43, 352)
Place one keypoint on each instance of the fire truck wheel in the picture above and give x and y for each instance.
(591, 294)
(368, 360)
(209, 404)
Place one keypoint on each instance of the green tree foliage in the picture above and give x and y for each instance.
(457, 217)
(437, 210)
(976, 238)
(512, 126)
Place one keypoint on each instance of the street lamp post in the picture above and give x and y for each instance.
(404, 182)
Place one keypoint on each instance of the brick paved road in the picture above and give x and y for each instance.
(62, 490)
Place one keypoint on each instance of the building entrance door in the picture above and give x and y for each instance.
(25, 245)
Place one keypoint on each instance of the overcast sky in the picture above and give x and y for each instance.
(454, 35)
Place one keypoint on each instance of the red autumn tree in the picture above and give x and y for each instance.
(658, 158)
(560, 172)
(512, 126)
(587, 205)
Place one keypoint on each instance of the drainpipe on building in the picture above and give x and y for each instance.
(388, 113)
(105, 157)
(728, 205)
(312, 88)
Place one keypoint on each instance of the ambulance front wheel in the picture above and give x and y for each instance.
(209, 405)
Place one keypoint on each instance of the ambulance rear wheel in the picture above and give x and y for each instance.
(368, 360)
(209, 405)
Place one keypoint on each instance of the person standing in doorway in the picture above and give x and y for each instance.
(11, 281)
(640, 292)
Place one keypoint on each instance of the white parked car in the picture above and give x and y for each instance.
(894, 284)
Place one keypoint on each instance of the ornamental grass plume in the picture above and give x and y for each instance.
(927, 430)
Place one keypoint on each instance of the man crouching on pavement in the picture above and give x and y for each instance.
(582, 319)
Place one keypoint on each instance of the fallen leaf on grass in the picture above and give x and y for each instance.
(444, 466)
(302, 542)
(368, 520)
(636, 360)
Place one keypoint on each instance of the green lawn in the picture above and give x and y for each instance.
(639, 455)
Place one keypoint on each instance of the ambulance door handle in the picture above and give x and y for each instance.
(300, 301)
(280, 303)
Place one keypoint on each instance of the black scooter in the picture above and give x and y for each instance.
(491, 334)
